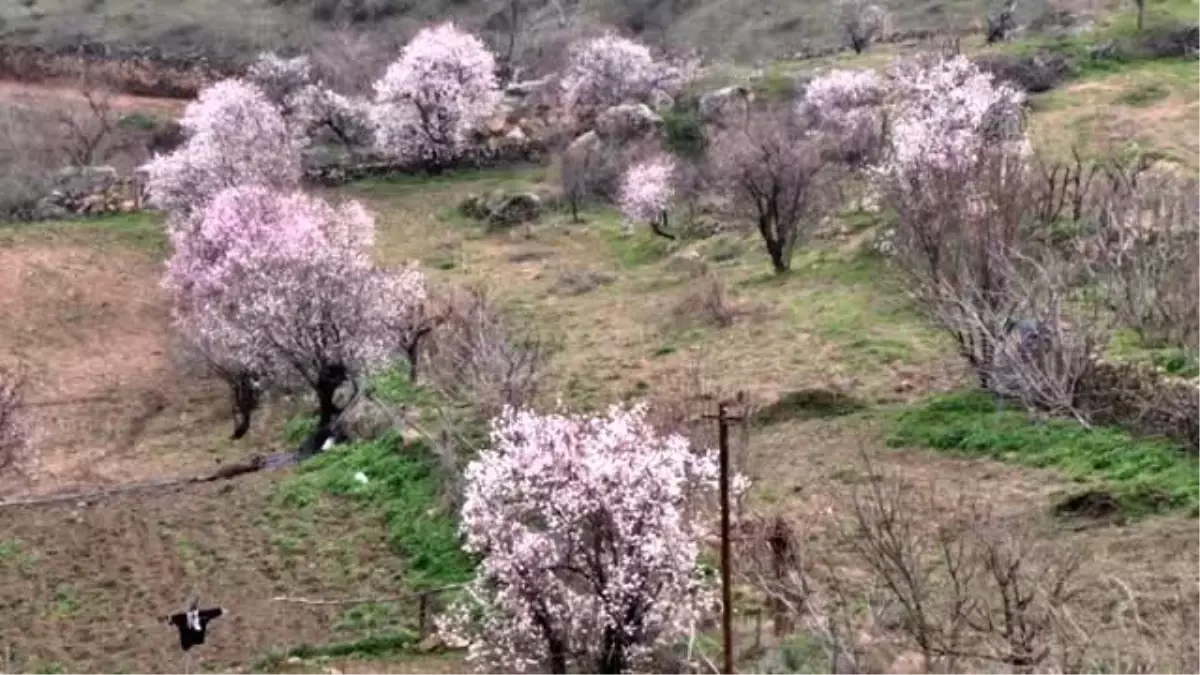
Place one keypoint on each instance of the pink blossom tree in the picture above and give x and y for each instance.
(590, 532)
(646, 193)
(282, 285)
(848, 106)
(947, 111)
(442, 86)
(279, 78)
(608, 70)
(236, 137)
(956, 174)
(315, 109)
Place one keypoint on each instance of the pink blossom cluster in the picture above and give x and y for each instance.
(839, 97)
(279, 77)
(235, 137)
(609, 70)
(442, 86)
(282, 283)
(647, 189)
(590, 529)
(314, 107)
(947, 112)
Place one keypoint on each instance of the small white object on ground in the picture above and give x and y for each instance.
(361, 477)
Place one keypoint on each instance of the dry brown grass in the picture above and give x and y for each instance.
(1156, 106)
(108, 400)
(84, 585)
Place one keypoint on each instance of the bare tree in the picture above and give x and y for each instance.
(1147, 256)
(85, 129)
(245, 390)
(474, 355)
(1043, 336)
(956, 224)
(1000, 20)
(1141, 13)
(964, 588)
(590, 171)
(861, 23)
(773, 165)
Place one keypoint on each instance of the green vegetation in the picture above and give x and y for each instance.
(403, 488)
(1145, 476)
(141, 231)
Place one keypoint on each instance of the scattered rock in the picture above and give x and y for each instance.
(628, 121)
(501, 210)
(719, 106)
(432, 642)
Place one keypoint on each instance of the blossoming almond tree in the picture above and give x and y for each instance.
(646, 193)
(278, 77)
(235, 137)
(609, 70)
(956, 174)
(590, 534)
(443, 84)
(946, 111)
(315, 108)
(848, 106)
(282, 283)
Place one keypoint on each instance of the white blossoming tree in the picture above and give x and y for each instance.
(589, 532)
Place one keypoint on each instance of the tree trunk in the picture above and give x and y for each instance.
(658, 226)
(776, 249)
(1141, 14)
(245, 402)
(413, 353)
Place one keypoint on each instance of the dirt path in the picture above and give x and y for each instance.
(59, 94)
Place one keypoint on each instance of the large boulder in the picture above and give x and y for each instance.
(85, 180)
(721, 105)
(628, 121)
(501, 210)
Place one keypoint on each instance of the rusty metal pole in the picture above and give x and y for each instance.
(726, 586)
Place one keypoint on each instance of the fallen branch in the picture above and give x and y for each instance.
(256, 463)
(366, 601)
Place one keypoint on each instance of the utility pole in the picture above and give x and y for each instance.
(723, 419)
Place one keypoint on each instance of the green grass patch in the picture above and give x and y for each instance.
(641, 247)
(142, 231)
(1146, 476)
(403, 488)
(506, 178)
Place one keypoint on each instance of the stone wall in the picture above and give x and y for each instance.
(144, 72)
(88, 191)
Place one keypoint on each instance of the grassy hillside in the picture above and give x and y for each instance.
(236, 27)
(833, 349)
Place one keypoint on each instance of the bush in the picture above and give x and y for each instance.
(684, 129)
(1035, 73)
